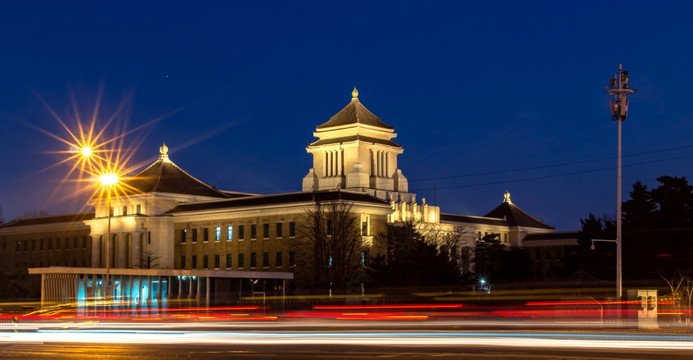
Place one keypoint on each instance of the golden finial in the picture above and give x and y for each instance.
(163, 151)
(506, 197)
(354, 94)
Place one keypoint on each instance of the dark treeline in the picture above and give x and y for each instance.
(657, 234)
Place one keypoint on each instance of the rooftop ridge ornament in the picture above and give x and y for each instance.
(355, 95)
(163, 152)
(506, 197)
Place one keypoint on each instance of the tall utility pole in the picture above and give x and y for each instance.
(620, 90)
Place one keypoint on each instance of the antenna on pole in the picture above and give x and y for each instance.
(619, 89)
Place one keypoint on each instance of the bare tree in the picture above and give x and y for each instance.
(457, 242)
(681, 286)
(333, 244)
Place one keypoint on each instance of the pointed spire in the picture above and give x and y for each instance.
(506, 198)
(163, 152)
(355, 95)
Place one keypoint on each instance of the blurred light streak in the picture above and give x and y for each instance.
(395, 338)
(387, 307)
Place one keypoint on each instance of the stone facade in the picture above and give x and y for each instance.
(171, 220)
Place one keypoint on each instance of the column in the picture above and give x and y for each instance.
(387, 164)
(43, 290)
(197, 294)
(207, 292)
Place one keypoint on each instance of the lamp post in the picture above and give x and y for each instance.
(619, 89)
(108, 181)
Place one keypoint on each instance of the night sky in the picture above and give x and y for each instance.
(484, 96)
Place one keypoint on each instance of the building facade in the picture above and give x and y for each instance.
(172, 227)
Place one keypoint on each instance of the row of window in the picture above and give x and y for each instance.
(278, 262)
(124, 210)
(278, 232)
(47, 244)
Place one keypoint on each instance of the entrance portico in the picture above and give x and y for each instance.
(137, 288)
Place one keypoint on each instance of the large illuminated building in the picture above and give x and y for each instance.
(176, 237)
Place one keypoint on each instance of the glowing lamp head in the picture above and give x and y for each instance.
(109, 179)
(86, 151)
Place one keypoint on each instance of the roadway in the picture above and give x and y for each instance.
(335, 340)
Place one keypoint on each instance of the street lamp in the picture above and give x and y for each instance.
(619, 89)
(86, 151)
(108, 181)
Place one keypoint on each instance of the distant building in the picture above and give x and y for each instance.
(177, 237)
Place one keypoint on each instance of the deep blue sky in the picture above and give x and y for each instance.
(485, 96)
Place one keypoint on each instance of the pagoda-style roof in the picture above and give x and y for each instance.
(346, 139)
(470, 219)
(355, 113)
(44, 220)
(163, 176)
(514, 216)
(280, 199)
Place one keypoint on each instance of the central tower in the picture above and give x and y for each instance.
(355, 151)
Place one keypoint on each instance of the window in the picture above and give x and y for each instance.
(364, 228)
(241, 263)
(84, 242)
(217, 233)
(253, 260)
(125, 210)
(229, 232)
(33, 244)
(110, 211)
(253, 232)
(74, 242)
(292, 229)
(182, 262)
(194, 235)
(241, 232)
(265, 231)
(292, 258)
(183, 234)
(57, 244)
(41, 245)
(138, 209)
(279, 230)
(364, 257)
(228, 260)
(50, 244)
(278, 261)
(194, 261)
(149, 237)
(205, 234)
(216, 261)
(329, 227)
(205, 262)
(265, 259)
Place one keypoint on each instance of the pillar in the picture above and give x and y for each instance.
(207, 291)
(43, 290)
